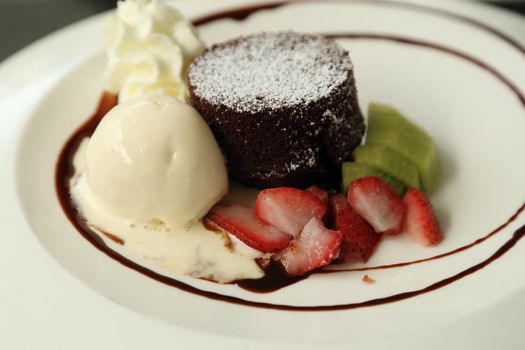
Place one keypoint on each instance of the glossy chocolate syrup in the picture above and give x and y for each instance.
(275, 277)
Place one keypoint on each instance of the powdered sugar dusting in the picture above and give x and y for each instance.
(305, 158)
(270, 71)
(333, 118)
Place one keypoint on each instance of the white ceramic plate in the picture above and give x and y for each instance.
(461, 79)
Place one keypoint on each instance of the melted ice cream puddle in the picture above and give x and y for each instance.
(194, 251)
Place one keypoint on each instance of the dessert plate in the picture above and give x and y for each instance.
(462, 79)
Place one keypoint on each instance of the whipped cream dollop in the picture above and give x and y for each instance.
(149, 47)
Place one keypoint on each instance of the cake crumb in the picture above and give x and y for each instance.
(368, 280)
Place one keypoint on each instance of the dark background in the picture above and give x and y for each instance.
(24, 21)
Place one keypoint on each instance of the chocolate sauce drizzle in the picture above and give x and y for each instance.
(275, 278)
(242, 13)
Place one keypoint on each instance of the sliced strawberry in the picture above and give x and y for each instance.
(315, 246)
(321, 194)
(242, 223)
(377, 203)
(420, 221)
(288, 209)
(359, 238)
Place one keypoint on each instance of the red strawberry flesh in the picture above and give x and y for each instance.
(420, 221)
(378, 204)
(288, 209)
(359, 238)
(321, 194)
(314, 247)
(241, 222)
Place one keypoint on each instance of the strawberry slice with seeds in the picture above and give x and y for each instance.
(288, 209)
(378, 204)
(241, 222)
(314, 247)
(321, 194)
(359, 238)
(420, 221)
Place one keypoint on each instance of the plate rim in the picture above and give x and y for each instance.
(43, 41)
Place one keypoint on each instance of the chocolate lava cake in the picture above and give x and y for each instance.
(283, 107)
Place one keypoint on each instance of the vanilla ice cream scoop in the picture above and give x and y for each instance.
(154, 159)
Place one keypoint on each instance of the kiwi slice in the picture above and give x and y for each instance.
(381, 115)
(353, 171)
(422, 156)
(389, 162)
(388, 127)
